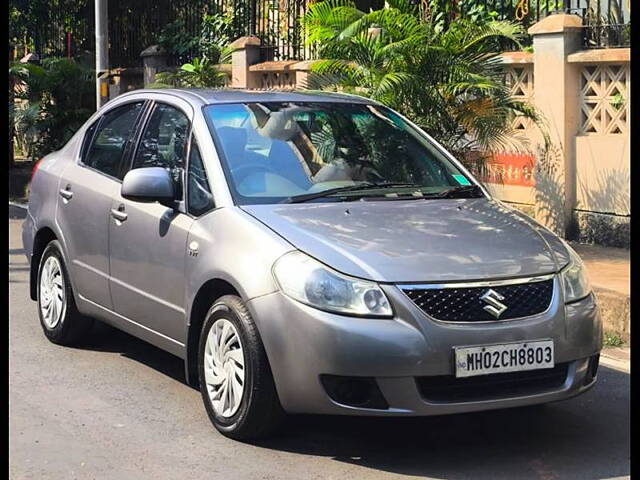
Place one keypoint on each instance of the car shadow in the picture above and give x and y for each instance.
(104, 338)
(584, 438)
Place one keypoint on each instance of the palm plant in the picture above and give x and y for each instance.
(199, 73)
(55, 98)
(447, 80)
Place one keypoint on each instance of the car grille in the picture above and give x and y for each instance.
(448, 388)
(464, 304)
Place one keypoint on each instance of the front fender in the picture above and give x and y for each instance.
(232, 246)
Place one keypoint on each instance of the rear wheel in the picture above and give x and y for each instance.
(59, 317)
(235, 378)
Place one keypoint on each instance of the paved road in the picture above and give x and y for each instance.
(118, 408)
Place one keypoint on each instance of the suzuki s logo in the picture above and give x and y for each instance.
(494, 306)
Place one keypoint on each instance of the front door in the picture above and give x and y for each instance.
(148, 241)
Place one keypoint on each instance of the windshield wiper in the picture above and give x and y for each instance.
(351, 188)
(461, 192)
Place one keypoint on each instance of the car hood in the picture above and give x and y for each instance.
(418, 240)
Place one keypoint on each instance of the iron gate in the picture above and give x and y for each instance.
(135, 25)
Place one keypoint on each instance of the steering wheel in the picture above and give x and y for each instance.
(363, 165)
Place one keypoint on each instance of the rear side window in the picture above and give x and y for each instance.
(110, 139)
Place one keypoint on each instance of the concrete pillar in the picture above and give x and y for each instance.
(303, 72)
(556, 97)
(246, 52)
(154, 60)
(122, 80)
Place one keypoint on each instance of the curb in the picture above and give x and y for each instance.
(617, 359)
(615, 311)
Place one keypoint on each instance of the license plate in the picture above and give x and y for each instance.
(509, 357)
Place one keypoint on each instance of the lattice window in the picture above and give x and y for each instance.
(519, 79)
(604, 99)
(278, 80)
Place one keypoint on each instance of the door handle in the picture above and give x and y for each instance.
(119, 214)
(66, 192)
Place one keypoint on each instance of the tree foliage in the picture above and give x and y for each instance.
(55, 99)
(445, 77)
(26, 17)
(216, 31)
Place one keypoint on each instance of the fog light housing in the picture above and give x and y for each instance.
(361, 392)
(592, 369)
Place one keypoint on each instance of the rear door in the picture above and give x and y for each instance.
(148, 249)
(86, 191)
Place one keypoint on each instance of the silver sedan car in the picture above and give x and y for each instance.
(304, 253)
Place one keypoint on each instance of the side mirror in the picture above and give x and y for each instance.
(151, 184)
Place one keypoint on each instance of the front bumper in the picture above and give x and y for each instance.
(303, 344)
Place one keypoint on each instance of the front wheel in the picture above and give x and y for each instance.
(235, 378)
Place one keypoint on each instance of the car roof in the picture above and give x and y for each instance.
(213, 96)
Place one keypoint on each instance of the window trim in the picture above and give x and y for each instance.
(138, 138)
(127, 162)
(192, 138)
(80, 160)
(87, 141)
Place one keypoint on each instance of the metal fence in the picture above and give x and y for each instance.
(135, 25)
(66, 28)
(607, 23)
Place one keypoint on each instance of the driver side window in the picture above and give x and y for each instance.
(164, 143)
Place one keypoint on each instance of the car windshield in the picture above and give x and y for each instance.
(326, 151)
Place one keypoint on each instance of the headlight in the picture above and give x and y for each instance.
(309, 281)
(574, 278)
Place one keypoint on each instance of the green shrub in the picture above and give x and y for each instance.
(56, 97)
(199, 73)
(612, 340)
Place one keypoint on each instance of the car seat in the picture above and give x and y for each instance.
(285, 163)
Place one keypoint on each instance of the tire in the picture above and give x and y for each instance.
(67, 326)
(256, 411)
